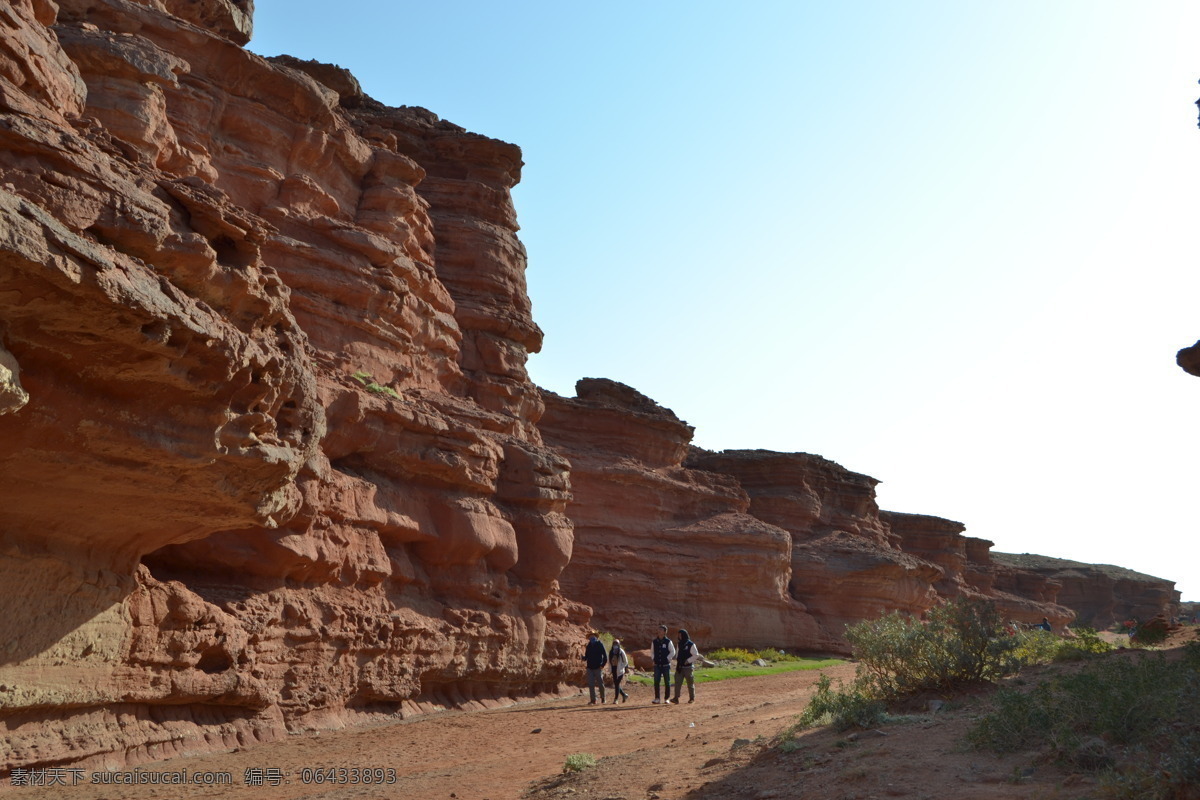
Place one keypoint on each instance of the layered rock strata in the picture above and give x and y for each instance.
(1021, 597)
(1100, 594)
(658, 543)
(846, 562)
(750, 547)
(268, 452)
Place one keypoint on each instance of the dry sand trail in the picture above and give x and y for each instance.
(492, 754)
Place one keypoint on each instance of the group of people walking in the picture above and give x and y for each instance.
(685, 658)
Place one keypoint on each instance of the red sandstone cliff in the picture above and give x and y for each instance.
(268, 452)
(749, 547)
(658, 543)
(846, 565)
(969, 570)
(1100, 594)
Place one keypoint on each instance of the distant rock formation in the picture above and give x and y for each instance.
(971, 571)
(658, 543)
(749, 547)
(1100, 594)
(846, 563)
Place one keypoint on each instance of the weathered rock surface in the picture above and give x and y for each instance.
(846, 563)
(750, 547)
(658, 543)
(268, 452)
(938, 541)
(969, 570)
(1100, 594)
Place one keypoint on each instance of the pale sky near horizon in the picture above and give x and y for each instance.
(945, 244)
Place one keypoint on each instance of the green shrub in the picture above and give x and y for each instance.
(578, 762)
(1036, 646)
(749, 656)
(1087, 642)
(371, 386)
(1043, 647)
(845, 708)
(376, 388)
(1148, 634)
(960, 642)
(1137, 721)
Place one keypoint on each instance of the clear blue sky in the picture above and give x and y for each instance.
(949, 245)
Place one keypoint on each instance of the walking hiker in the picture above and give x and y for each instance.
(686, 659)
(664, 653)
(618, 662)
(596, 658)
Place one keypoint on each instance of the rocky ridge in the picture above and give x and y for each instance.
(1101, 595)
(269, 454)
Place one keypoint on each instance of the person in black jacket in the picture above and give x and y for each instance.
(596, 658)
(664, 652)
(686, 658)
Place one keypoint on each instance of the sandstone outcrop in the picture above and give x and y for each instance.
(658, 543)
(970, 571)
(749, 547)
(1100, 594)
(938, 541)
(268, 449)
(846, 563)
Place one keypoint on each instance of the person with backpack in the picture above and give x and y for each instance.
(618, 662)
(596, 658)
(688, 655)
(664, 653)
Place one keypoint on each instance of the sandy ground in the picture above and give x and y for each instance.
(722, 746)
(484, 755)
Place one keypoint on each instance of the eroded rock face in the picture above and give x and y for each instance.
(939, 541)
(751, 547)
(1021, 597)
(1100, 594)
(846, 562)
(657, 543)
(268, 450)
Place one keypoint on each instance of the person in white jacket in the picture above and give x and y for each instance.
(686, 660)
(618, 662)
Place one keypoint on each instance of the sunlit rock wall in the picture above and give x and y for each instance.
(268, 452)
(657, 543)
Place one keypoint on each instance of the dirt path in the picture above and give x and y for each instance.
(716, 749)
(720, 748)
(491, 755)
